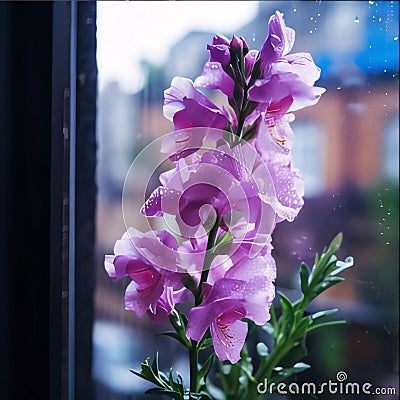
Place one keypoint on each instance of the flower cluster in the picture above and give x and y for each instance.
(224, 199)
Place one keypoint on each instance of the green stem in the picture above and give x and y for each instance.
(193, 349)
(207, 260)
(239, 130)
(193, 361)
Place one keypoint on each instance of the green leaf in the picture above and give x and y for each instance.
(183, 319)
(343, 265)
(330, 265)
(300, 329)
(206, 342)
(176, 386)
(173, 335)
(304, 275)
(154, 364)
(165, 392)
(205, 396)
(335, 244)
(316, 260)
(223, 244)
(262, 349)
(189, 283)
(285, 303)
(287, 317)
(205, 369)
(148, 374)
(224, 238)
(280, 374)
(322, 314)
(327, 283)
(328, 323)
(297, 352)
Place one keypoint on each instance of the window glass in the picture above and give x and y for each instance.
(309, 156)
(346, 147)
(391, 148)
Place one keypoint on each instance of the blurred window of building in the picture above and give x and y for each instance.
(391, 148)
(309, 154)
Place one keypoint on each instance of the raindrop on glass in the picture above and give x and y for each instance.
(371, 3)
(311, 31)
(294, 9)
(380, 19)
(356, 20)
(396, 38)
(254, 37)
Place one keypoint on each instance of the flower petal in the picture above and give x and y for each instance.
(161, 200)
(279, 41)
(201, 317)
(228, 340)
(139, 301)
(214, 77)
(300, 64)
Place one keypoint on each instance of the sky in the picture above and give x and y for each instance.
(128, 31)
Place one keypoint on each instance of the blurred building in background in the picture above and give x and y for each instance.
(347, 147)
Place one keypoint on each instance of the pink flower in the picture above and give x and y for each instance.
(187, 107)
(218, 182)
(246, 291)
(274, 143)
(152, 288)
(286, 81)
